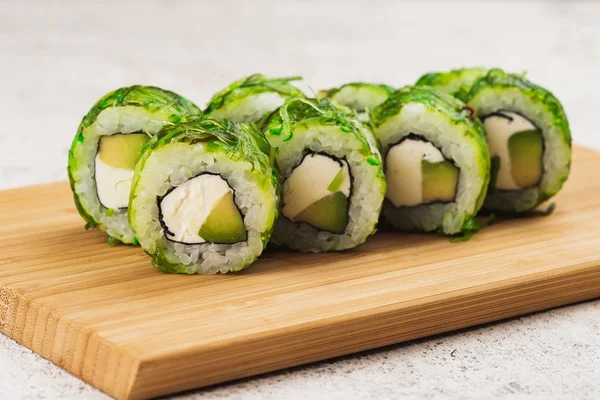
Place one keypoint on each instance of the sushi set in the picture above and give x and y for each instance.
(259, 215)
(206, 191)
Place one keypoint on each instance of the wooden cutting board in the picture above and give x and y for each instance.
(104, 314)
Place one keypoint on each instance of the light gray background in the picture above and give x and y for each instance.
(57, 58)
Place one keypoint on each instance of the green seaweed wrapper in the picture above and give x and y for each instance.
(164, 106)
(279, 127)
(237, 141)
(230, 103)
(456, 82)
(360, 96)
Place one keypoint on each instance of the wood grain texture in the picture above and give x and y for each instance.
(104, 314)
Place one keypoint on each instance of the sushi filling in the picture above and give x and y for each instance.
(202, 210)
(114, 165)
(517, 147)
(417, 173)
(317, 193)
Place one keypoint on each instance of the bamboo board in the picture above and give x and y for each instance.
(108, 317)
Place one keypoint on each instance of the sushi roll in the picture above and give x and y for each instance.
(204, 197)
(333, 183)
(359, 96)
(106, 147)
(436, 162)
(251, 98)
(528, 137)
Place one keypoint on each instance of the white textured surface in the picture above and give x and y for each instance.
(57, 59)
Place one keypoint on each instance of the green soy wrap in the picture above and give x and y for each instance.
(307, 130)
(500, 91)
(426, 118)
(251, 98)
(239, 156)
(134, 109)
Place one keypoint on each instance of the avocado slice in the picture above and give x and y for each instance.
(439, 181)
(494, 168)
(337, 180)
(526, 149)
(121, 150)
(328, 214)
(224, 224)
